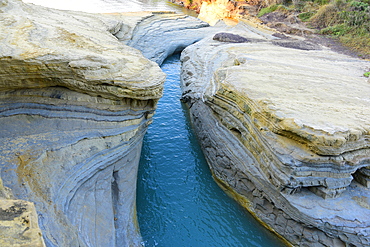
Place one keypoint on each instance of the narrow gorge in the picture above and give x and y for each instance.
(283, 123)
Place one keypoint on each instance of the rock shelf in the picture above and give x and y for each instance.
(74, 107)
(284, 123)
(287, 129)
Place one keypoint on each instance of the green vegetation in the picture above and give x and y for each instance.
(305, 16)
(346, 20)
(267, 10)
(367, 74)
(272, 8)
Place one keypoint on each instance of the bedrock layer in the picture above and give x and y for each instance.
(18, 221)
(285, 127)
(75, 103)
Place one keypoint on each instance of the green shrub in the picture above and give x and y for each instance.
(321, 2)
(267, 10)
(305, 16)
(326, 16)
(347, 20)
(337, 30)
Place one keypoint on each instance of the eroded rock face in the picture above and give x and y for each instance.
(74, 106)
(18, 221)
(158, 37)
(285, 128)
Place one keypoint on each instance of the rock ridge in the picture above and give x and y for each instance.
(75, 103)
(74, 107)
(284, 128)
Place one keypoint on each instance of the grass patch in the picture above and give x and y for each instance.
(351, 24)
(356, 38)
(272, 8)
(346, 20)
(267, 10)
(305, 16)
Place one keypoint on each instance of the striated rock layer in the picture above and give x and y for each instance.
(75, 102)
(74, 106)
(285, 125)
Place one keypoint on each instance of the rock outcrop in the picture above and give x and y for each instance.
(285, 126)
(18, 221)
(75, 103)
(158, 37)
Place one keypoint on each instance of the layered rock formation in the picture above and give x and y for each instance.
(285, 126)
(158, 37)
(75, 105)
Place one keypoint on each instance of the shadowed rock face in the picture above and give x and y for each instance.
(74, 106)
(158, 37)
(75, 103)
(285, 128)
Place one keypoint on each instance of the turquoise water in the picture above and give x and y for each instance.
(178, 202)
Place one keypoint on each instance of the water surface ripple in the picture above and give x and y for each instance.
(178, 202)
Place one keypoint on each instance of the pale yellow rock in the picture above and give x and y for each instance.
(19, 224)
(212, 12)
(75, 104)
(79, 53)
(285, 124)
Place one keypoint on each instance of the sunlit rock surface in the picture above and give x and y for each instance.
(18, 221)
(286, 124)
(211, 11)
(74, 106)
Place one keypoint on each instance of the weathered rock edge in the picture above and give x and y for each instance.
(253, 138)
(75, 103)
(18, 221)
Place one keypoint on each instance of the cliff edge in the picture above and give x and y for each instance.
(75, 103)
(284, 124)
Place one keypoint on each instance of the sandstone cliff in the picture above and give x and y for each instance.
(285, 125)
(18, 221)
(75, 105)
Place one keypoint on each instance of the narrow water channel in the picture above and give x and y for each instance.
(178, 202)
